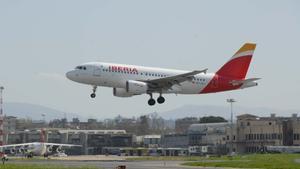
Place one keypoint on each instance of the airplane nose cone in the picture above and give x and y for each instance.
(70, 75)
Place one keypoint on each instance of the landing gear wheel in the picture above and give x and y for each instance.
(151, 102)
(160, 100)
(93, 95)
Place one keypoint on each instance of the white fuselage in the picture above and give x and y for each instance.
(36, 148)
(39, 149)
(116, 76)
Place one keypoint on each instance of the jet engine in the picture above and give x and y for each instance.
(22, 150)
(59, 149)
(132, 88)
(136, 87)
(120, 92)
(49, 149)
(12, 151)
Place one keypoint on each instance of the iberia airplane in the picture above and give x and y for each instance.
(131, 80)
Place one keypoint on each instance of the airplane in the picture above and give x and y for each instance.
(131, 80)
(37, 148)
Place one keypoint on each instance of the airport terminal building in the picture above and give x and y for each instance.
(255, 134)
(250, 134)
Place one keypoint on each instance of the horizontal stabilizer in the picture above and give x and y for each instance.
(239, 82)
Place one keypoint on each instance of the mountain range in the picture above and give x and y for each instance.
(223, 111)
(34, 112)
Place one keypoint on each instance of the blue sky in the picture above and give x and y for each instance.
(41, 40)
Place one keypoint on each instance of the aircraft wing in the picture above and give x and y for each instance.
(168, 82)
(15, 145)
(62, 145)
(239, 82)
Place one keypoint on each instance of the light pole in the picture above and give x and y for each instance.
(44, 118)
(231, 101)
(1, 120)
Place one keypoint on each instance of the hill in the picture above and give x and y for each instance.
(34, 112)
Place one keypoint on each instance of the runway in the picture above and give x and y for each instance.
(110, 164)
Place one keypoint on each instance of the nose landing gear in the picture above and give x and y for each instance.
(93, 95)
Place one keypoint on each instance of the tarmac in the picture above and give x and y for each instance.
(105, 162)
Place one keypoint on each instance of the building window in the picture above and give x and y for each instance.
(273, 136)
(296, 137)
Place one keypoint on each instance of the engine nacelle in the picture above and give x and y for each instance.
(132, 88)
(12, 151)
(120, 92)
(49, 149)
(136, 87)
(59, 150)
(249, 84)
(22, 150)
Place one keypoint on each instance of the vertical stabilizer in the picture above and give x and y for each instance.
(237, 66)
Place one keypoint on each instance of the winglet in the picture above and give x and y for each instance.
(200, 71)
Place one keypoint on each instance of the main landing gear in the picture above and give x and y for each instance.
(160, 100)
(93, 95)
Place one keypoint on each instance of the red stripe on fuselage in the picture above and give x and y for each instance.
(219, 84)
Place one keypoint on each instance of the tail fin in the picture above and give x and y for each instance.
(237, 66)
(43, 135)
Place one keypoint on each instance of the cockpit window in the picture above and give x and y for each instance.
(81, 67)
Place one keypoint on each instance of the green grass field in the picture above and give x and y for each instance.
(163, 158)
(266, 161)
